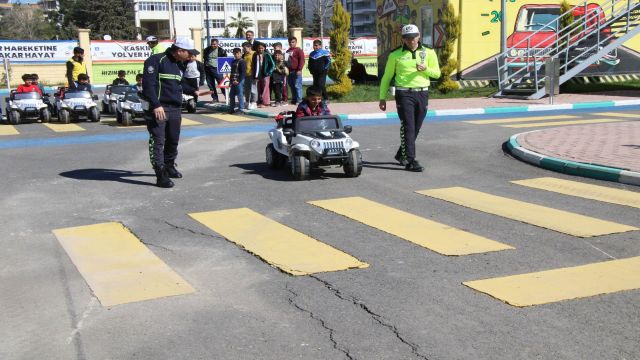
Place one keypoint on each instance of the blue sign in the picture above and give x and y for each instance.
(224, 65)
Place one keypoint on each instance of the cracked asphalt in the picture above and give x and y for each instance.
(408, 304)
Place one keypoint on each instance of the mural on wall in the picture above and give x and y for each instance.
(480, 31)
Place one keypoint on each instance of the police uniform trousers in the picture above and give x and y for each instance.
(164, 136)
(412, 109)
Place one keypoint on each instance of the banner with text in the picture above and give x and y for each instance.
(122, 51)
(26, 51)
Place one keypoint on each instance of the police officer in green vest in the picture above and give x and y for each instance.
(412, 64)
(155, 47)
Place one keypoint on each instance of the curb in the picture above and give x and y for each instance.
(480, 111)
(571, 167)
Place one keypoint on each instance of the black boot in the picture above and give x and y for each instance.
(162, 177)
(173, 172)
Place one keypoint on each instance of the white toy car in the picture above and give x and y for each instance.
(21, 106)
(189, 103)
(129, 108)
(311, 142)
(112, 94)
(75, 104)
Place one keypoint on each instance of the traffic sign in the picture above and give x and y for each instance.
(224, 65)
(225, 83)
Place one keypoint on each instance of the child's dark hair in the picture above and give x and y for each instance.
(236, 51)
(83, 77)
(277, 52)
(313, 91)
(138, 76)
(275, 44)
(26, 77)
(246, 44)
(35, 77)
(317, 42)
(121, 72)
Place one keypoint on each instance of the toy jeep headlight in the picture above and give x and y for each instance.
(316, 145)
(348, 143)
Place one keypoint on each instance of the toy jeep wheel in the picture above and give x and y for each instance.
(127, 119)
(118, 117)
(300, 168)
(45, 115)
(14, 117)
(94, 114)
(275, 160)
(112, 107)
(353, 166)
(64, 117)
(191, 106)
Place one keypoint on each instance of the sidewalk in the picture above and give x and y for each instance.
(608, 151)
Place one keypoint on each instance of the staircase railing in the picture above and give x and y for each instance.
(594, 24)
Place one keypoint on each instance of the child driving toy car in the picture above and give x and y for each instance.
(28, 85)
(312, 105)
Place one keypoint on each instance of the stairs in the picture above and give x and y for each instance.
(593, 37)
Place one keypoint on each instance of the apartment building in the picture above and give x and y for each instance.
(164, 17)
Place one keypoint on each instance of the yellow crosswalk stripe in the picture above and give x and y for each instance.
(8, 130)
(619, 114)
(548, 218)
(587, 191)
(558, 123)
(283, 247)
(440, 238)
(230, 117)
(117, 266)
(64, 127)
(189, 122)
(524, 119)
(563, 284)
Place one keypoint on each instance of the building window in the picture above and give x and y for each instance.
(152, 6)
(215, 23)
(186, 6)
(277, 8)
(240, 7)
(216, 7)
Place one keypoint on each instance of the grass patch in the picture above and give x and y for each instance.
(369, 93)
(598, 87)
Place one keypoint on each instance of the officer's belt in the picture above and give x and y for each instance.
(412, 89)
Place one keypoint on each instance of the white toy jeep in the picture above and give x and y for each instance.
(129, 108)
(112, 94)
(21, 106)
(74, 104)
(312, 142)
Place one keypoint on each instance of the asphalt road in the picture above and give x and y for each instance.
(408, 304)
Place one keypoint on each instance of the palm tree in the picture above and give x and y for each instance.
(240, 22)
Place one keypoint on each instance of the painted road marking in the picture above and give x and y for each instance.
(617, 114)
(189, 122)
(8, 130)
(563, 284)
(548, 218)
(283, 247)
(438, 237)
(582, 190)
(64, 127)
(558, 123)
(230, 118)
(117, 266)
(519, 119)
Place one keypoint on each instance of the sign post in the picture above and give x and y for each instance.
(224, 67)
(552, 73)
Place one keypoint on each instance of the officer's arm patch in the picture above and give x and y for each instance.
(150, 69)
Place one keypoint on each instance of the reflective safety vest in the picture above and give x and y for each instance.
(161, 80)
(78, 68)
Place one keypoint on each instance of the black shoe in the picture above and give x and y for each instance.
(162, 177)
(400, 160)
(414, 166)
(173, 172)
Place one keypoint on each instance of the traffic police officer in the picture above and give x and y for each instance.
(162, 93)
(155, 47)
(412, 64)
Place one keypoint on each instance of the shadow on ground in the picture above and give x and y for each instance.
(284, 174)
(109, 175)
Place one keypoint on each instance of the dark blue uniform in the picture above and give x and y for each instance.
(161, 86)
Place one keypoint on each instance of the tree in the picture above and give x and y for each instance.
(26, 23)
(295, 16)
(320, 10)
(279, 32)
(451, 24)
(113, 17)
(226, 33)
(341, 55)
(241, 23)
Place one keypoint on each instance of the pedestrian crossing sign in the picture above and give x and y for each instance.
(224, 65)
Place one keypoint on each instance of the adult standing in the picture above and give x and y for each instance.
(250, 36)
(154, 45)
(211, 55)
(412, 64)
(161, 87)
(295, 62)
(75, 67)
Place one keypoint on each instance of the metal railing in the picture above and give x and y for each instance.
(595, 25)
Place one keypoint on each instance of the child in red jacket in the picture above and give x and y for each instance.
(28, 85)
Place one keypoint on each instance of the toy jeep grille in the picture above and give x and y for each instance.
(333, 145)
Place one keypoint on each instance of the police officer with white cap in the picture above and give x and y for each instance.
(162, 92)
(412, 64)
(155, 47)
